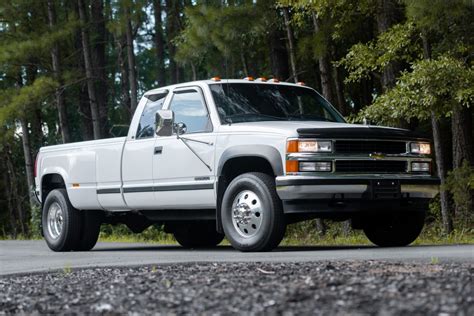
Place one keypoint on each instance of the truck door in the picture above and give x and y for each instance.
(184, 176)
(137, 161)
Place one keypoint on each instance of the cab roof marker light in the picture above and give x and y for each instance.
(274, 80)
(261, 79)
(249, 78)
(216, 78)
(300, 83)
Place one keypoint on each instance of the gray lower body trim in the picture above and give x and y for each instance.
(108, 191)
(165, 188)
(158, 188)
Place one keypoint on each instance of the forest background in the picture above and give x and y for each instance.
(74, 70)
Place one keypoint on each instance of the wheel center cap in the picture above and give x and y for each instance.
(242, 213)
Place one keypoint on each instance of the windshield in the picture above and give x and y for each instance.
(252, 102)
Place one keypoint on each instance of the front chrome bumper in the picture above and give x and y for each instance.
(353, 186)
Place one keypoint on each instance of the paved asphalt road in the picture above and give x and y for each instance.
(34, 256)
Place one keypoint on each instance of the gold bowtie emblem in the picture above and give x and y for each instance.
(377, 156)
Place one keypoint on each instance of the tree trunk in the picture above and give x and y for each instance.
(441, 168)
(60, 102)
(29, 165)
(132, 78)
(462, 137)
(341, 103)
(440, 154)
(85, 114)
(121, 43)
(320, 227)
(87, 130)
(461, 125)
(325, 68)
(10, 194)
(388, 14)
(244, 63)
(193, 68)
(291, 44)
(172, 22)
(89, 73)
(99, 61)
(34, 113)
(16, 199)
(159, 43)
(278, 55)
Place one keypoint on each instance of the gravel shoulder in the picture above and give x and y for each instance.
(321, 288)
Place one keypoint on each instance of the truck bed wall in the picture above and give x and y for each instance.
(86, 167)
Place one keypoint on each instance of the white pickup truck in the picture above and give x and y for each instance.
(240, 159)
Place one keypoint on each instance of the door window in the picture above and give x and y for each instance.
(189, 108)
(146, 127)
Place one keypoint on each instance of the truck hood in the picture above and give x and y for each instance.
(320, 129)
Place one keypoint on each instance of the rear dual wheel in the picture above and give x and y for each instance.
(66, 228)
(198, 234)
(394, 229)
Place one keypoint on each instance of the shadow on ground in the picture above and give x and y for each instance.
(104, 248)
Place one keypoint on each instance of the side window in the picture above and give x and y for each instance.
(146, 127)
(188, 108)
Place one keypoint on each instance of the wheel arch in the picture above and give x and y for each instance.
(49, 182)
(241, 159)
(266, 152)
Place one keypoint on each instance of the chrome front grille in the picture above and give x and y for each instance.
(369, 146)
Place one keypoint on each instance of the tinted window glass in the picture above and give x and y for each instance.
(243, 102)
(146, 127)
(189, 109)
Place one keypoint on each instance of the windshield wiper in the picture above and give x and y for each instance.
(256, 115)
(309, 117)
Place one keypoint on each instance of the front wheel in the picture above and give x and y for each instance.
(394, 230)
(252, 214)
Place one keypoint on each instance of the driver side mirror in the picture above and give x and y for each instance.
(164, 122)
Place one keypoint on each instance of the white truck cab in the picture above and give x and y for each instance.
(236, 158)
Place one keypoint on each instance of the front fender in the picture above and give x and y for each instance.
(270, 153)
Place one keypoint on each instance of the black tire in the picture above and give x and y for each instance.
(198, 234)
(268, 213)
(394, 229)
(68, 236)
(91, 221)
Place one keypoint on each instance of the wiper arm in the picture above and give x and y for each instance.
(229, 117)
(309, 117)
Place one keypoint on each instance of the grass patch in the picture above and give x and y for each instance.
(299, 234)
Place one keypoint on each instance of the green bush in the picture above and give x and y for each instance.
(460, 183)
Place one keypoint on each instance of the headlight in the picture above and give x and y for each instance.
(420, 148)
(309, 146)
(315, 166)
(420, 167)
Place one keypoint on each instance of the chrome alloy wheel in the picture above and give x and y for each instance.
(55, 220)
(247, 213)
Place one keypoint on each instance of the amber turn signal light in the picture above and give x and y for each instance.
(292, 166)
(292, 146)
